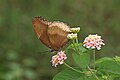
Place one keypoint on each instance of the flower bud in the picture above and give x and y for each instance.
(72, 36)
(75, 30)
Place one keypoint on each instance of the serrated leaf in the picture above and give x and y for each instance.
(70, 47)
(93, 78)
(102, 60)
(81, 48)
(110, 66)
(81, 60)
(68, 74)
(77, 46)
(117, 59)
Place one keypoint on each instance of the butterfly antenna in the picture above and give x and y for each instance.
(43, 52)
(48, 51)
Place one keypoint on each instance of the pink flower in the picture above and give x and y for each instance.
(93, 41)
(58, 58)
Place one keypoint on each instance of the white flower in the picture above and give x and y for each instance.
(58, 58)
(76, 30)
(72, 36)
(93, 41)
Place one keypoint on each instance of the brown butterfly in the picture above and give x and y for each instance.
(52, 34)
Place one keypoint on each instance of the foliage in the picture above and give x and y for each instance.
(105, 68)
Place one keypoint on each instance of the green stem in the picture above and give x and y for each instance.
(109, 77)
(93, 73)
(73, 68)
(94, 59)
(76, 49)
(76, 40)
(73, 41)
(77, 43)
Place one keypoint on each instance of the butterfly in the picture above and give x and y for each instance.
(52, 34)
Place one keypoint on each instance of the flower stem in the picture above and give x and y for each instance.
(93, 73)
(73, 68)
(76, 48)
(94, 59)
(76, 40)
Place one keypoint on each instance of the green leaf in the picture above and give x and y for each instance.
(68, 74)
(102, 60)
(93, 78)
(76, 46)
(110, 66)
(70, 48)
(81, 60)
(81, 48)
(117, 59)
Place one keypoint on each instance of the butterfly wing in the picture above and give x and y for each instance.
(57, 33)
(40, 26)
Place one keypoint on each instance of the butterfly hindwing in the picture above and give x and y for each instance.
(40, 26)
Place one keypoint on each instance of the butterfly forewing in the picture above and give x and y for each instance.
(40, 27)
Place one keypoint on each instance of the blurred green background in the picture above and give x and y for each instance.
(24, 57)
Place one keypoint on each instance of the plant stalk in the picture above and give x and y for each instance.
(93, 73)
(77, 49)
(94, 59)
(73, 68)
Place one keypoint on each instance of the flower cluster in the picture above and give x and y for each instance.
(58, 58)
(93, 41)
